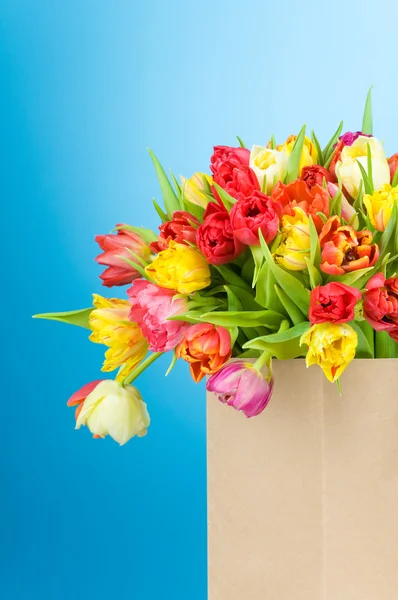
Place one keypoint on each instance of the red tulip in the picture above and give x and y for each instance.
(393, 164)
(181, 229)
(115, 247)
(215, 237)
(333, 303)
(315, 175)
(380, 304)
(254, 213)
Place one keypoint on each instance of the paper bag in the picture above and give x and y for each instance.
(303, 499)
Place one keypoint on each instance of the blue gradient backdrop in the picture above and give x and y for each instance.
(86, 87)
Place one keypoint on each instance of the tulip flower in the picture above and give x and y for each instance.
(216, 239)
(393, 164)
(181, 229)
(344, 249)
(380, 204)
(312, 200)
(332, 346)
(206, 348)
(295, 243)
(348, 171)
(180, 268)
(110, 325)
(240, 385)
(193, 188)
(380, 304)
(309, 154)
(152, 308)
(109, 408)
(333, 302)
(254, 213)
(268, 164)
(116, 247)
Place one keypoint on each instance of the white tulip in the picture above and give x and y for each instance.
(111, 409)
(347, 168)
(268, 163)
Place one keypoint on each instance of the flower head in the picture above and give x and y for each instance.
(380, 205)
(312, 200)
(231, 171)
(215, 238)
(109, 408)
(268, 164)
(332, 346)
(110, 325)
(347, 168)
(254, 213)
(181, 229)
(206, 348)
(193, 188)
(116, 247)
(380, 304)
(295, 242)
(240, 385)
(309, 154)
(151, 308)
(344, 249)
(315, 175)
(333, 303)
(180, 268)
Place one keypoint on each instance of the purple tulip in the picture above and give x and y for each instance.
(349, 138)
(241, 385)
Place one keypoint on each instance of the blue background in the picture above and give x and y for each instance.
(86, 87)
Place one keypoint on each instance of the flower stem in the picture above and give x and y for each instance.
(262, 360)
(141, 367)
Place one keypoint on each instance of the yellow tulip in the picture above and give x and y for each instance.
(295, 242)
(380, 204)
(193, 188)
(115, 410)
(348, 170)
(180, 268)
(309, 154)
(268, 164)
(332, 346)
(110, 325)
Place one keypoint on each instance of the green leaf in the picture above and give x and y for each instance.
(367, 121)
(355, 278)
(245, 297)
(160, 211)
(226, 199)
(335, 208)
(291, 308)
(241, 144)
(266, 294)
(233, 332)
(394, 182)
(72, 317)
(136, 265)
(234, 303)
(258, 258)
(315, 276)
(363, 349)
(294, 332)
(171, 201)
(231, 277)
(293, 288)
(315, 247)
(273, 142)
(329, 149)
(146, 234)
(385, 346)
(245, 318)
(318, 148)
(388, 232)
(370, 168)
(293, 163)
(194, 209)
(366, 181)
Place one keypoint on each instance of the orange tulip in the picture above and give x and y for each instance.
(312, 200)
(206, 347)
(344, 249)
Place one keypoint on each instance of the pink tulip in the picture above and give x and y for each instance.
(116, 247)
(151, 308)
(241, 385)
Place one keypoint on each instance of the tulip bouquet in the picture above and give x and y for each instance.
(284, 251)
